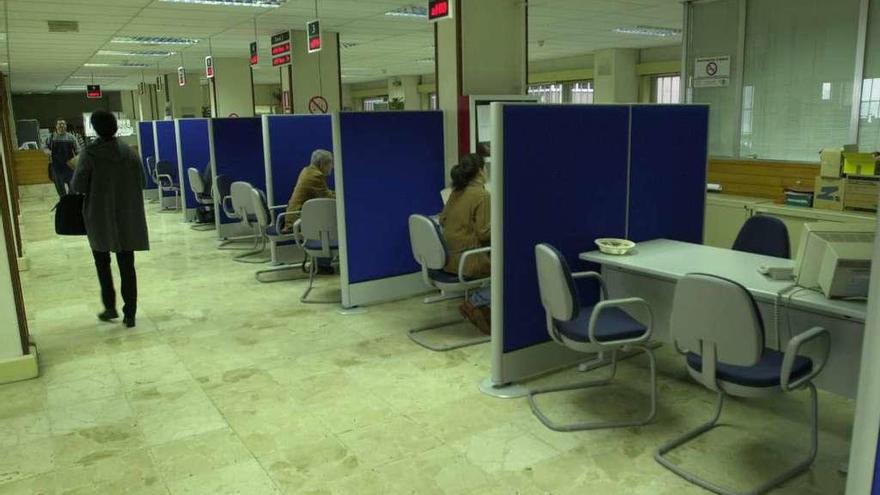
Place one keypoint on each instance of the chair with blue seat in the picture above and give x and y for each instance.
(204, 200)
(166, 179)
(271, 227)
(429, 251)
(716, 324)
(150, 166)
(242, 203)
(596, 329)
(763, 234)
(317, 235)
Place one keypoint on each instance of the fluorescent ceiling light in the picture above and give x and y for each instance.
(70, 87)
(126, 64)
(234, 3)
(426, 60)
(409, 11)
(99, 77)
(660, 32)
(123, 53)
(154, 40)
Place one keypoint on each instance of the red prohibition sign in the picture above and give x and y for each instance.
(318, 104)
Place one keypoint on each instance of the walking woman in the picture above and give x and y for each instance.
(111, 177)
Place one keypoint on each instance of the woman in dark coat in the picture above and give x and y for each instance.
(111, 177)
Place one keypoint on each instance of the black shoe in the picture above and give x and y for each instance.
(326, 270)
(128, 321)
(108, 314)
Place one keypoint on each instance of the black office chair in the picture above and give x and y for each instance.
(763, 234)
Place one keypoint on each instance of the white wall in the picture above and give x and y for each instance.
(316, 74)
(232, 87)
(186, 101)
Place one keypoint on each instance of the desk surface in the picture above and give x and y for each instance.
(672, 260)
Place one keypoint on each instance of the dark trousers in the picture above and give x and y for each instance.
(62, 178)
(125, 261)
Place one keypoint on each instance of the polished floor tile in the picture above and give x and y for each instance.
(229, 386)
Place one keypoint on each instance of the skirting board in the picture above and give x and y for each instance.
(384, 290)
(20, 368)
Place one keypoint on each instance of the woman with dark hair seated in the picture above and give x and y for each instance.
(111, 177)
(466, 225)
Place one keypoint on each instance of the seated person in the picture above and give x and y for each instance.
(465, 221)
(311, 184)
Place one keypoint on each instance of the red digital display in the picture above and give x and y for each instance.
(438, 9)
(315, 44)
(279, 49)
(282, 60)
(93, 91)
(209, 67)
(255, 59)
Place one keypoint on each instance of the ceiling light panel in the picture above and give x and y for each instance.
(125, 64)
(125, 53)
(417, 11)
(233, 3)
(154, 40)
(660, 32)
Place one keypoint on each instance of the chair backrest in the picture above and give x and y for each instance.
(222, 186)
(558, 293)
(151, 167)
(261, 208)
(713, 316)
(166, 168)
(318, 220)
(426, 240)
(242, 201)
(195, 181)
(763, 234)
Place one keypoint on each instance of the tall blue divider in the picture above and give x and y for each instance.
(147, 149)
(292, 139)
(166, 144)
(564, 183)
(238, 152)
(668, 172)
(392, 166)
(195, 153)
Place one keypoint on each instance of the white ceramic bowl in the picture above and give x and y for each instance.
(615, 246)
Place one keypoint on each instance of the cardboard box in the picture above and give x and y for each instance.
(858, 163)
(829, 193)
(861, 193)
(831, 160)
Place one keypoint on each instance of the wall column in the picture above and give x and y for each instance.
(615, 76)
(474, 60)
(316, 74)
(406, 88)
(232, 89)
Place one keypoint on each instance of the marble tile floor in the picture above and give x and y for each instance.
(229, 386)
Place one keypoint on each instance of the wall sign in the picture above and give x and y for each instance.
(439, 10)
(209, 67)
(313, 28)
(712, 72)
(142, 87)
(181, 76)
(281, 49)
(318, 105)
(255, 56)
(94, 91)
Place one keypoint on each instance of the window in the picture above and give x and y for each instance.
(667, 89)
(376, 104)
(581, 92)
(547, 93)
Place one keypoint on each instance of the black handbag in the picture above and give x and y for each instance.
(69, 215)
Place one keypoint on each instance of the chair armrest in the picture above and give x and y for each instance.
(166, 177)
(229, 213)
(791, 352)
(620, 303)
(277, 207)
(464, 257)
(595, 275)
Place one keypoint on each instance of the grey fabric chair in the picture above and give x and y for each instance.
(271, 227)
(604, 327)
(202, 195)
(318, 237)
(429, 251)
(716, 324)
(166, 178)
(242, 204)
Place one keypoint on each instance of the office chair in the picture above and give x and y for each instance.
(716, 324)
(763, 234)
(241, 199)
(222, 191)
(429, 251)
(318, 238)
(166, 179)
(203, 199)
(151, 173)
(271, 227)
(603, 327)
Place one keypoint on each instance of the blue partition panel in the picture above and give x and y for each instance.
(292, 138)
(166, 140)
(393, 166)
(668, 172)
(238, 152)
(147, 149)
(564, 182)
(194, 151)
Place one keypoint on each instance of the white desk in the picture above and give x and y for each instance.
(654, 267)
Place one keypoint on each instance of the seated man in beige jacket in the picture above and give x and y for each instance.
(311, 184)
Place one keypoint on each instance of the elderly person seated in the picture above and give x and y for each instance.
(311, 184)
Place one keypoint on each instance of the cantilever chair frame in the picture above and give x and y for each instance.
(271, 228)
(165, 182)
(197, 186)
(241, 199)
(562, 305)
(432, 258)
(711, 353)
(324, 230)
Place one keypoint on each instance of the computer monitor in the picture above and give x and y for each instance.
(835, 258)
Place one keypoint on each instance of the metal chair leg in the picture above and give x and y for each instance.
(595, 425)
(260, 248)
(313, 271)
(786, 475)
(294, 268)
(414, 334)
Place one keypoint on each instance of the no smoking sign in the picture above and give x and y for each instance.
(318, 104)
(712, 68)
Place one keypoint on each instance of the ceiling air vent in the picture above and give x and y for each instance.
(63, 26)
